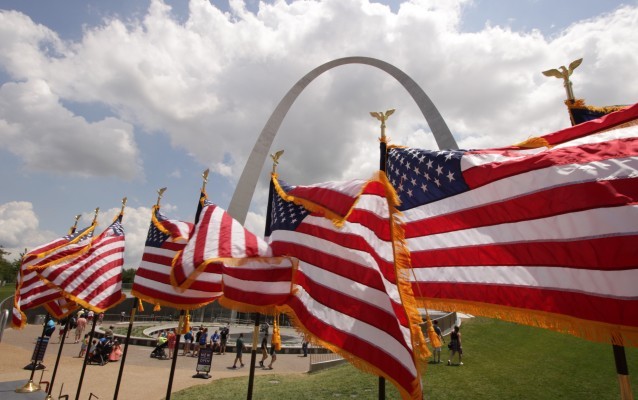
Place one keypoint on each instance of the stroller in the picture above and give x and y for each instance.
(159, 351)
(102, 352)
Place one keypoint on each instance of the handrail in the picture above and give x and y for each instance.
(4, 318)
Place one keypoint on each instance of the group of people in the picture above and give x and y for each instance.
(193, 341)
(454, 346)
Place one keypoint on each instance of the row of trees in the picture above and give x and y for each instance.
(8, 269)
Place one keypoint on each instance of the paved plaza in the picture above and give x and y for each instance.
(144, 377)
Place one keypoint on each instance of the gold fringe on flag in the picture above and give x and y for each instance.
(184, 324)
(533, 143)
(140, 305)
(580, 103)
(276, 337)
(590, 330)
(157, 307)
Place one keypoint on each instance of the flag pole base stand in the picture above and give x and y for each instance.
(202, 376)
(28, 387)
(33, 366)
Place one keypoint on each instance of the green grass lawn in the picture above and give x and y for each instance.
(6, 291)
(502, 361)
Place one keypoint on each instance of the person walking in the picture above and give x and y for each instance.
(455, 346)
(80, 326)
(304, 345)
(273, 353)
(172, 339)
(437, 350)
(264, 349)
(239, 344)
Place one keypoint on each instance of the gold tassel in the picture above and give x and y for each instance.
(157, 307)
(533, 143)
(276, 338)
(186, 324)
(435, 341)
(140, 305)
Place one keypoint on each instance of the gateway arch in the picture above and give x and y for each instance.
(245, 189)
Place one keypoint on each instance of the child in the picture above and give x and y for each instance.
(84, 345)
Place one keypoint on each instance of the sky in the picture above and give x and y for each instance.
(105, 100)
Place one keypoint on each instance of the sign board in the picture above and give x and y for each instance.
(40, 349)
(204, 360)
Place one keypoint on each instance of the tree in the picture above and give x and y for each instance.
(8, 269)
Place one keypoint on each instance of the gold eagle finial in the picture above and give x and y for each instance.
(275, 160)
(564, 74)
(381, 116)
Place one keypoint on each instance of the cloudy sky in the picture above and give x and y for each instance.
(102, 100)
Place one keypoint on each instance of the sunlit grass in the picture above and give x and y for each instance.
(502, 361)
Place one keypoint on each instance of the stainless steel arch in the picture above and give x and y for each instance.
(245, 189)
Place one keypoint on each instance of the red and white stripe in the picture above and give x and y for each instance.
(152, 279)
(216, 236)
(94, 279)
(31, 291)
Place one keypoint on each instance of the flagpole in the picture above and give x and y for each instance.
(126, 342)
(382, 117)
(66, 328)
(88, 347)
(181, 313)
(30, 386)
(86, 358)
(180, 327)
(160, 192)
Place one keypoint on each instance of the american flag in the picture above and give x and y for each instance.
(165, 239)
(31, 291)
(544, 235)
(217, 236)
(349, 291)
(94, 279)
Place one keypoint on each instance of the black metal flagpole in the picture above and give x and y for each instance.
(30, 386)
(182, 313)
(86, 358)
(66, 329)
(160, 192)
(125, 351)
(57, 360)
(180, 327)
(382, 156)
(253, 353)
(91, 334)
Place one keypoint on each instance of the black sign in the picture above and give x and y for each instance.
(204, 360)
(40, 349)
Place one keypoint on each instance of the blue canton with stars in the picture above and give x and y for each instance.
(424, 176)
(117, 228)
(285, 215)
(155, 237)
(78, 233)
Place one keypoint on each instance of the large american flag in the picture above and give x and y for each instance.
(31, 291)
(544, 233)
(350, 293)
(165, 239)
(94, 279)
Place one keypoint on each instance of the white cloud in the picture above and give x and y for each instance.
(19, 228)
(47, 137)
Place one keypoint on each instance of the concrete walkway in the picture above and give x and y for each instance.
(143, 377)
